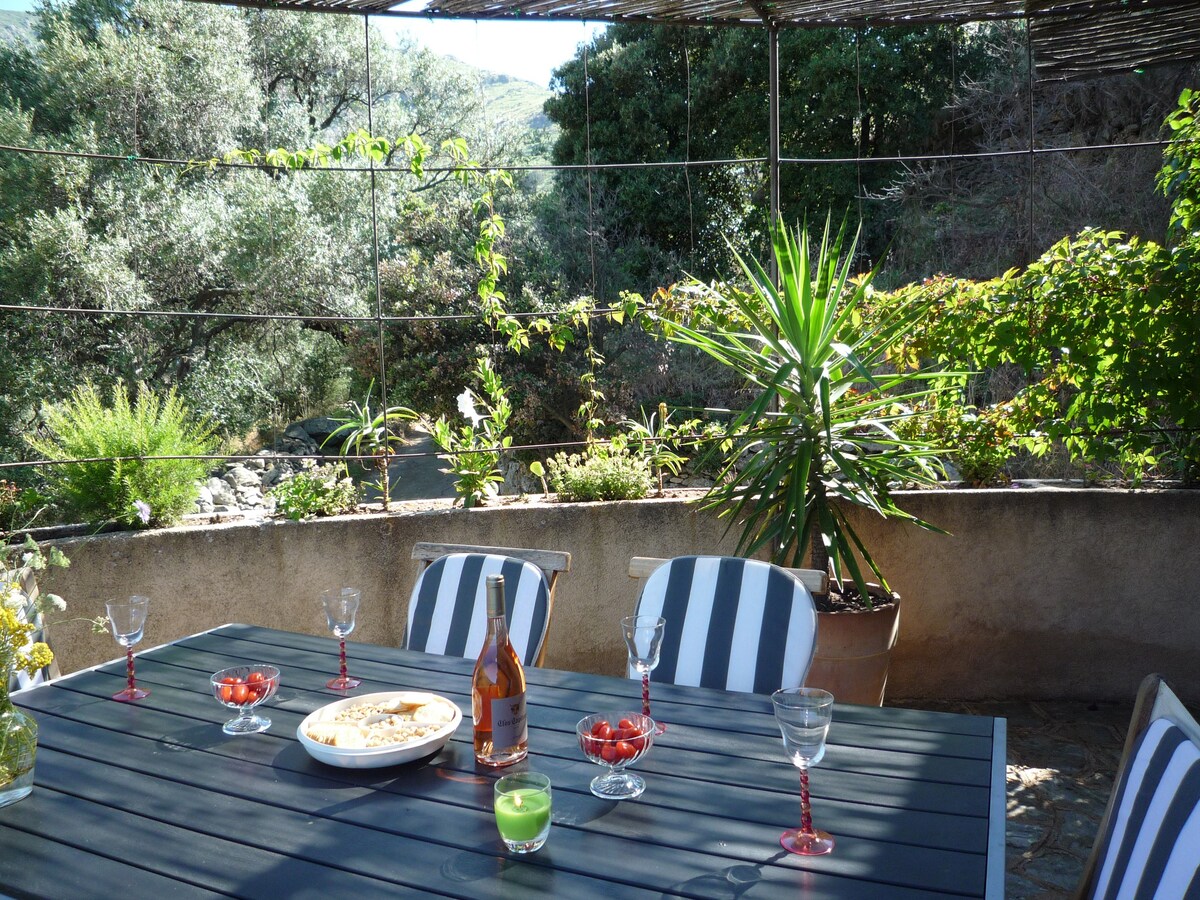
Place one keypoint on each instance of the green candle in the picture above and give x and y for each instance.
(522, 806)
(522, 814)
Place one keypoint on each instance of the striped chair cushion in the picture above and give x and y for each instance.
(21, 679)
(447, 612)
(1152, 846)
(738, 624)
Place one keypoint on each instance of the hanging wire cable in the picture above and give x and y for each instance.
(600, 167)
(687, 152)
(383, 383)
(954, 37)
(587, 123)
(858, 144)
(1032, 154)
(597, 313)
(696, 439)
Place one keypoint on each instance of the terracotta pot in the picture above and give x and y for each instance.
(853, 653)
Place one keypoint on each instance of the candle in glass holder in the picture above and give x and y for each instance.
(522, 805)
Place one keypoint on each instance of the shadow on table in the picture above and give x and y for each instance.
(731, 882)
(197, 737)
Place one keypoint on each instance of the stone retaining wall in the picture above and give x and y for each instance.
(1065, 593)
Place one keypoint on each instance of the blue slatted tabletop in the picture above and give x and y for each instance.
(153, 799)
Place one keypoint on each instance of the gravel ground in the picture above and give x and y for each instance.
(1062, 756)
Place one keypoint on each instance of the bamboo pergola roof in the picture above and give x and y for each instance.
(1069, 38)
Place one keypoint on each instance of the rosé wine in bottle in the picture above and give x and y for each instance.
(498, 690)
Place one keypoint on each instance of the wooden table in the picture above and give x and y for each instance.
(151, 799)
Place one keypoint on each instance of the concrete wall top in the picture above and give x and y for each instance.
(1075, 593)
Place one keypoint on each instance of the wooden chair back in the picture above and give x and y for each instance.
(732, 623)
(46, 673)
(1149, 839)
(447, 605)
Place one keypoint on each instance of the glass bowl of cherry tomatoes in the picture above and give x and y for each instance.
(243, 688)
(616, 740)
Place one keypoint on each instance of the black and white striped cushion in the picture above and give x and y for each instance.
(22, 679)
(447, 612)
(1152, 847)
(738, 624)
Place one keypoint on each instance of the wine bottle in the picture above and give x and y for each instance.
(498, 690)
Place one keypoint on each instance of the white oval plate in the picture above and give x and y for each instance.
(375, 757)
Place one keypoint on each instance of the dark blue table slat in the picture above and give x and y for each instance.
(909, 795)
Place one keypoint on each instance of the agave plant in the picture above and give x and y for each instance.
(819, 428)
(367, 432)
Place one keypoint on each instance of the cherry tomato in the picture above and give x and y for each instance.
(255, 677)
(627, 724)
(638, 742)
(226, 691)
(603, 731)
(589, 745)
(624, 750)
(609, 753)
(240, 693)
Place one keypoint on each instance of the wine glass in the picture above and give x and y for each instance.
(341, 606)
(127, 619)
(616, 740)
(804, 715)
(243, 688)
(643, 638)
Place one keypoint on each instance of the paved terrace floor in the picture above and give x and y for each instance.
(1061, 760)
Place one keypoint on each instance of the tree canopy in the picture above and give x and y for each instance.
(657, 94)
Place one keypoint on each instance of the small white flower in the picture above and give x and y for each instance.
(55, 602)
(15, 599)
(466, 406)
(143, 510)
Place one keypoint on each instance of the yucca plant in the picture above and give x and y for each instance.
(819, 428)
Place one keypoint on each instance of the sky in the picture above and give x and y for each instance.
(528, 50)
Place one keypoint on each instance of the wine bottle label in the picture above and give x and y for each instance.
(510, 726)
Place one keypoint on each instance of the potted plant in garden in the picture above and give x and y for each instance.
(817, 435)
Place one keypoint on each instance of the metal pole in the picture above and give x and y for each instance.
(773, 116)
(384, 481)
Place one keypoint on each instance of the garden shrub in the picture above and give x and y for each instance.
(978, 443)
(320, 491)
(599, 473)
(118, 484)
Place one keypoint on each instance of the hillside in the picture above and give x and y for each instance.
(513, 100)
(509, 99)
(15, 26)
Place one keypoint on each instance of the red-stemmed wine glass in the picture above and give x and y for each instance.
(643, 638)
(804, 715)
(341, 606)
(127, 620)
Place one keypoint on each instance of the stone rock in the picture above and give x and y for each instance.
(240, 477)
(204, 500)
(249, 497)
(272, 475)
(318, 428)
(220, 494)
